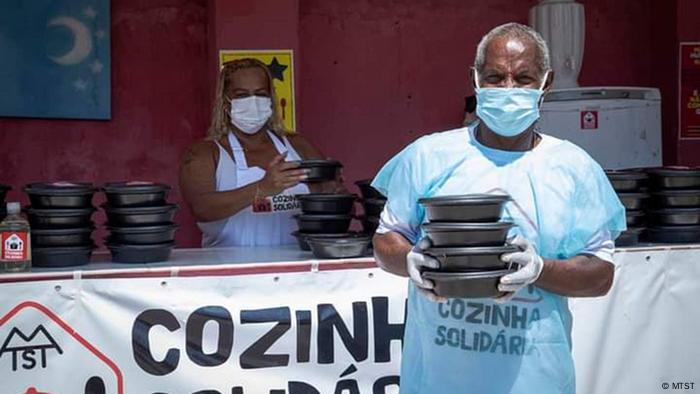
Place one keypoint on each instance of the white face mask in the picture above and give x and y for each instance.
(249, 114)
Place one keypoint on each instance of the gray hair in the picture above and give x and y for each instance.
(514, 30)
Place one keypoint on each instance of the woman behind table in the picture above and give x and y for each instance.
(241, 180)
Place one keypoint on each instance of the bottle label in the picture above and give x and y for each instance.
(14, 246)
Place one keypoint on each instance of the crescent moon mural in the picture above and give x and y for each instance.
(82, 41)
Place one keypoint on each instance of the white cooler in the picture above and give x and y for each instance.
(620, 127)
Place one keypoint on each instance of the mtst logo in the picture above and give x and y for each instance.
(42, 354)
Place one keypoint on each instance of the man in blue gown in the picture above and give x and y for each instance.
(567, 217)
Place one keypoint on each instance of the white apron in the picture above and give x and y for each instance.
(269, 223)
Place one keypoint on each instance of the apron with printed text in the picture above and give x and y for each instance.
(268, 221)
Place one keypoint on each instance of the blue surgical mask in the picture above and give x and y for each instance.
(508, 111)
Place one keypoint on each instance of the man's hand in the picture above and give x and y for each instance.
(416, 262)
(531, 265)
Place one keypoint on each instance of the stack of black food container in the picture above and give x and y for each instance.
(674, 212)
(139, 221)
(61, 224)
(373, 204)
(468, 238)
(632, 188)
(324, 224)
(3, 193)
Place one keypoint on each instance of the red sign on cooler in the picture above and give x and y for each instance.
(589, 120)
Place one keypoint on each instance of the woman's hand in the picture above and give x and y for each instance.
(281, 175)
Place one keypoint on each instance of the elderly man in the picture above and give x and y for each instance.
(567, 218)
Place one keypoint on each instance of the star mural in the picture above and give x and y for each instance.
(277, 69)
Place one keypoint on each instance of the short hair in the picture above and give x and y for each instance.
(514, 30)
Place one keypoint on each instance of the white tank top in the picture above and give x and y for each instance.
(268, 223)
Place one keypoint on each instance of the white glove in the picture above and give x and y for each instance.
(531, 265)
(416, 262)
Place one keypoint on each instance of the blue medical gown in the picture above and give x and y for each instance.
(561, 198)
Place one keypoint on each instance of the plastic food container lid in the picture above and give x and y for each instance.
(449, 226)
(451, 276)
(633, 195)
(325, 197)
(479, 250)
(468, 199)
(677, 193)
(60, 188)
(626, 175)
(142, 229)
(62, 231)
(322, 217)
(139, 210)
(675, 171)
(140, 247)
(135, 187)
(318, 163)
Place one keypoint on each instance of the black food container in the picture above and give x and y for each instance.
(674, 234)
(465, 208)
(60, 218)
(629, 237)
(139, 254)
(633, 201)
(373, 206)
(467, 234)
(303, 237)
(3, 192)
(627, 180)
(635, 218)
(470, 259)
(136, 194)
(339, 248)
(674, 178)
(140, 216)
(323, 203)
(60, 195)
(676, 198)
(67, 256)
(80, 236)
(366, 190)
(478, 284)
(142, 235)
(369, 224)
(320, 170)
(327, 224)
(674, 217)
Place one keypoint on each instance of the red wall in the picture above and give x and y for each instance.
(379, 74)
(158, 60)
(371, 77)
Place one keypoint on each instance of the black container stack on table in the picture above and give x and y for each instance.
(61, 225)
(3, 205)
(468, 239)
(372, 203)
(324, 224)
(674, 212)
(632, 188)
(140, 222)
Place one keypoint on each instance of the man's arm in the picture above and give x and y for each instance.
(390, 250)
(579, 276)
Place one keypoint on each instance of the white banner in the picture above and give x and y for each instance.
(330, 331)
(309, 328)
